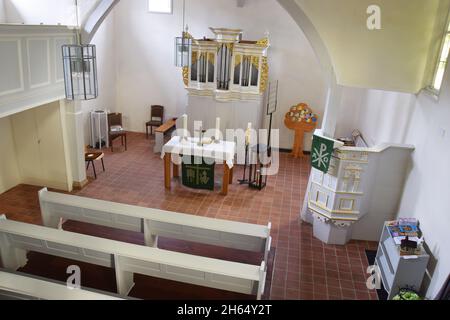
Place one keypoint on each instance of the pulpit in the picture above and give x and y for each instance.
(356, 192)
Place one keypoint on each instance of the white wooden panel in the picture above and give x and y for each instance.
(38, 51)
(195, 277)
(59, 69)
(31, 66)
(60, 250)
(212, 237)
(317, 176)
(11, 75)
(47, 290)
(25, 242)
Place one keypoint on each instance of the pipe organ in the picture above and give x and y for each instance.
(228, 67)
(227, 75)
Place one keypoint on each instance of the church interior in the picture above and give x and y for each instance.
(224, 150)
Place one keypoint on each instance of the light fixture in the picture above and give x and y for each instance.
(183, 45)
(80, 68)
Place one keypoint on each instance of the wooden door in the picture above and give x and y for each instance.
(51, 145)
(27, 147)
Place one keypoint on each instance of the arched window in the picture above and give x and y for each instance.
(160, 6)
(441, 63)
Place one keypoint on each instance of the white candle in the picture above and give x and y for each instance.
(217, 134)
(248, 133)
(185, 125)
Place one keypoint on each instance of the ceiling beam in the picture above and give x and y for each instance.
(97, 16)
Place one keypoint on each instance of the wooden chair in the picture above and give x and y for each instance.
(115, 130)
(91, 157)
(156, 119)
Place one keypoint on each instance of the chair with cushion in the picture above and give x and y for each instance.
(115, 130)
(156, 119)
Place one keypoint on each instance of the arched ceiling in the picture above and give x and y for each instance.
(399, 57)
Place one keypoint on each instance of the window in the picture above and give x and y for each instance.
(160, 6)
(442, 63)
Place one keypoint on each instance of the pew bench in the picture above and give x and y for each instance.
(17, 238)
(161, 132)
(154, 223)
(21, 286)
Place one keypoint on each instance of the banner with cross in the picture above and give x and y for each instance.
(322, 151)
(198, 175)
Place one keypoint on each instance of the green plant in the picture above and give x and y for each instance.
(407, 294)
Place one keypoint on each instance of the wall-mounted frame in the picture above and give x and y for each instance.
(160, 6)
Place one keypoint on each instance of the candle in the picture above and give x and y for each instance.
(248, 133)
(185, 125)
(217, 134)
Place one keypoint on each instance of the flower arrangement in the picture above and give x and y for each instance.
(302, 112)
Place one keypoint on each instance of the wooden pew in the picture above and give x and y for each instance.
(26, 287)
(160, 132)
(154, 223)
(17, 238)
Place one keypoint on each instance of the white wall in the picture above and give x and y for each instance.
(426, 194)
(381, 116)
(9, 172)
(51, 12)
(393, 58)
(147, 75)
(2, 12)
(423, 122)
(106, 72)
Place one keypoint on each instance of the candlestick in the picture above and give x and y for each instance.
(217, 134)
(248, 133)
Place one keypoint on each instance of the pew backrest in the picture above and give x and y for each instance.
(25, 287)
(154, 222)
(17, 238)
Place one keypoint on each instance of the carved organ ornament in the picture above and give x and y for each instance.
(227, 66)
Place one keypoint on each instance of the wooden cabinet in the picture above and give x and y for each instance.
(40, 147)
(398, 271)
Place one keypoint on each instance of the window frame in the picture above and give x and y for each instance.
(160, 12)
(431, 88)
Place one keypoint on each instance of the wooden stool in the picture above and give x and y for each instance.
(91, 158)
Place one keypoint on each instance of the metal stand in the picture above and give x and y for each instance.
(272, 103)
(244, 179)
(257, 179)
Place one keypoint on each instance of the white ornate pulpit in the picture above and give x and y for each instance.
(360, 191)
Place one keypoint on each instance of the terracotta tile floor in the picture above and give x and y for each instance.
(305, 268)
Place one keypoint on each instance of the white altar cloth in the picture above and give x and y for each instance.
(222, 151)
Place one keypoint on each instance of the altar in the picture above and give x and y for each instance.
(179, 149)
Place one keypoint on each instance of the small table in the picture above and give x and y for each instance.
(222, 152)
(91, 157)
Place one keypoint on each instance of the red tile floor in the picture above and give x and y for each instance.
(304, 268)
